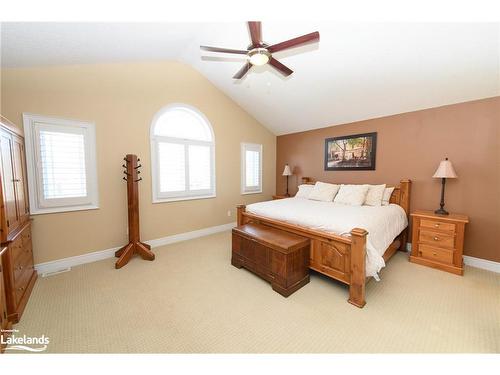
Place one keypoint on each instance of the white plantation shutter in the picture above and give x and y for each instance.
(60, 155)
(171, 167)
(183, 155)
(199, 167)
(252, 159)
(251, 168)
(62, 162)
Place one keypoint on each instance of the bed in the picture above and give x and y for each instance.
(348, 243)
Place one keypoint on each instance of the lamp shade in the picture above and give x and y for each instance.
(445, 170)
(287, 171)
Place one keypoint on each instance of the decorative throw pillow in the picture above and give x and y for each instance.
(324, 192)
(304, 191)
(375, 195)
(353, 195)
(387, 196)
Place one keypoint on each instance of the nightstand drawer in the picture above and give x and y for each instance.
(437, 225)
(436, 239)
(438, 255)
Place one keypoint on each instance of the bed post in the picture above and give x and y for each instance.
(358, 267)
(239, 214)
(404, 201)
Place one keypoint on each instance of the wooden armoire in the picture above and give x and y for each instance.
(19, 274)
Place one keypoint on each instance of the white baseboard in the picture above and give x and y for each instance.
(66, 263)
(484, 264)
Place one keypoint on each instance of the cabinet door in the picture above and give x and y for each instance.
(8, 184)
(3, 305)
(20, 178)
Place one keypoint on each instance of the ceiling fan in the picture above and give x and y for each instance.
(260, 53)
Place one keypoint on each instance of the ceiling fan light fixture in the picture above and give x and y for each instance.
(259, 56)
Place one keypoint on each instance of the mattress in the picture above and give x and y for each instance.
(383, 223)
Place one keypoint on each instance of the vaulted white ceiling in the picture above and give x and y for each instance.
(356, 71)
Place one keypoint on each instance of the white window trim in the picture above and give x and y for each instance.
(59, 205)
(254, 147)
(159, 197)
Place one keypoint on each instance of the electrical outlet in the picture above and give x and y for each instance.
(229, 213)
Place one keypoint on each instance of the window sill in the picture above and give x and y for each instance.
(166, 200)
(54, 210)
(251, 192)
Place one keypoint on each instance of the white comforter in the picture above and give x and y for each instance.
(383, 223)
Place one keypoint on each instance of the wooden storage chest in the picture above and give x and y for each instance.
(280, 257)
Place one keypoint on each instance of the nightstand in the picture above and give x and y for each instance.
(438, 240)
(280, 196)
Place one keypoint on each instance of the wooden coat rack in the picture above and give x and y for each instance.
(135, 245)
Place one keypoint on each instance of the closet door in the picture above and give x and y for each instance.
(20, 178)
(8, 184)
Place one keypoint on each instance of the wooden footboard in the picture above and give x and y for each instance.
(342, 258)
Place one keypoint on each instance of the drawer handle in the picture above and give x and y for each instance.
(20, 289)
(436, 225)
(436, 238)
(19, 268)
(434, 254)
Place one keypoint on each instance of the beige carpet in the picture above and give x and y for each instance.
(191, 300)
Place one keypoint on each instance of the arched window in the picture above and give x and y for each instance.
(183, 154)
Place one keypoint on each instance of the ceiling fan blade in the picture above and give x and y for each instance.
(241, 73)
(295, 42)
(255, 32)
(279, 66)
(224, 50)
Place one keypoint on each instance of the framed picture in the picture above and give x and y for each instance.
(351, 152)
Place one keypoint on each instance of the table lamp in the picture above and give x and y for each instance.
(287, 172)
(444, 171)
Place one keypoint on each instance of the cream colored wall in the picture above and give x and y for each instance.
(122, 99)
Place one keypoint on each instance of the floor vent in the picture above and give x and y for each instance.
(47, 274)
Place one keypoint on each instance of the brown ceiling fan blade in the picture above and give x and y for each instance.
(286, 71)
(255, 32)
(295, 42)
(241, 73)
(224, 50)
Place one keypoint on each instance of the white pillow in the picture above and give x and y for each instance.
(387, 196)
(353, 195)
(324, 192)
(304, 191)
(375, 195)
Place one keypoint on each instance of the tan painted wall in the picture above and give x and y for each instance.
(121, 99)
(411, 145)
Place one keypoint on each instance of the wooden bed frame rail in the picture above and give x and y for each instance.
(342, 258)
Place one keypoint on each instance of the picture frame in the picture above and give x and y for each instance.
(356, 152)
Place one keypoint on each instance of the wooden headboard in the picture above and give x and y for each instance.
(400, 195)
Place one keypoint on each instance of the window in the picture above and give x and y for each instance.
(251, 168)
(183, 155)
(60, 157)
